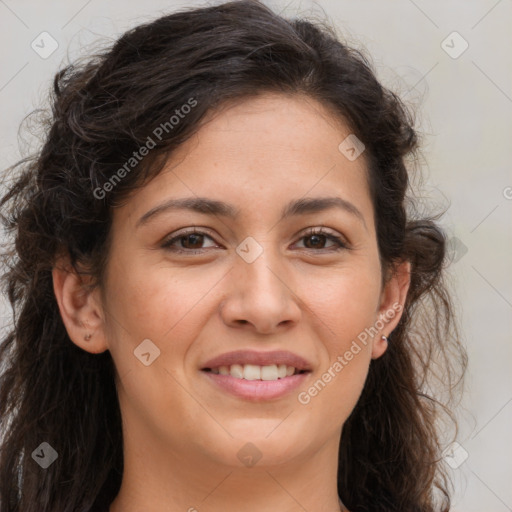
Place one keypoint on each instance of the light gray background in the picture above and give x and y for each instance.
(465, 118)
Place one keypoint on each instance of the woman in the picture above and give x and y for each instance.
(220, 301)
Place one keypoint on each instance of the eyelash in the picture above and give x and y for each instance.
(312, 232)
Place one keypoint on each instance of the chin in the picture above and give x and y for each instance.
(259, 444)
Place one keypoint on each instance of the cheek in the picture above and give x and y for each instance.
(332, 396)
(346, 301)
(154, 299)
(157, 304)
(160, 303)
(346, 306)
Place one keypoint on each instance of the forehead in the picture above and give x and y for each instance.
(261, 152)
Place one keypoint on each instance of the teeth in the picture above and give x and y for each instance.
(255, 372)
(237, 370)
(252, 372)
(269, 372)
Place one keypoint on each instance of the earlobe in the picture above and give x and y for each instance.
(79, 308)
(379, 347)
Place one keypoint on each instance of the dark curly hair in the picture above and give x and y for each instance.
(103, 108)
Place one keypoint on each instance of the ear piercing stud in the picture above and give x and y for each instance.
(87, 337)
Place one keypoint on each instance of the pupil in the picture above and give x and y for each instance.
(317, 237)
(193, 236)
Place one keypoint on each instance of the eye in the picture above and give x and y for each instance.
(189, 242)
(318, 237)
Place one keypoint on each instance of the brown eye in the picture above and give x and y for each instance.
(187, 242)
(318, 239)
(192, 241)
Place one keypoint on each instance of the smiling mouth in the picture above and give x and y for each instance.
(256, 372)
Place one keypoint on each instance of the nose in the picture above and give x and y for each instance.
(261, 296)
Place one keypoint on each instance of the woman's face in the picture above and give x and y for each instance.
(250, 279)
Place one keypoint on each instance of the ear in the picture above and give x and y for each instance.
(391, 306)
(80, 307)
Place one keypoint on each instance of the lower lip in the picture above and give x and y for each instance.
(257, 390)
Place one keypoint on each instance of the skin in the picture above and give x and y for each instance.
(181, 433)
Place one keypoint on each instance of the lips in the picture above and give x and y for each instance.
(257, 376)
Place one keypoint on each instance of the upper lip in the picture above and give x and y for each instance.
(258, 358)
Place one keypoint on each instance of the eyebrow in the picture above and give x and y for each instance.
(214, 207)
